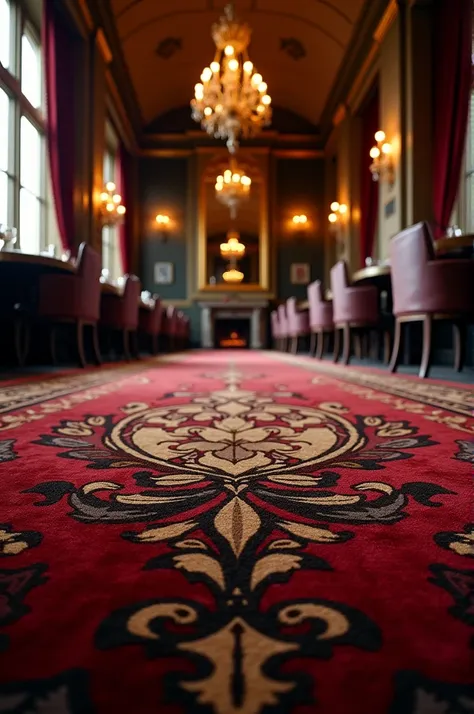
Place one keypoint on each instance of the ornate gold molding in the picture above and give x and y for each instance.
(84, 11)
(298, 153)
(339, 114)
(263, 285)
(165, 153)
(386, 22)
(364, 78)
(103, 46)
(120, 116)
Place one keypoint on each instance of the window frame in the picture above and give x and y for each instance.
(465, 212)
(111, 255)
(10, 81)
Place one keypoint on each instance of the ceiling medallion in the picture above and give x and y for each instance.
(168, 47)
(232, 187)
(231, 102)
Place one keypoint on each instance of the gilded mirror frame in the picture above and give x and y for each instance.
(256, 166)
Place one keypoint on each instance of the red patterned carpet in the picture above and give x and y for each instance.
(236, 533)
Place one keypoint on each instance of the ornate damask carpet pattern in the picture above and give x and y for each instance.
(236, 535)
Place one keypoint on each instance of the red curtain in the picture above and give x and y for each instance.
(59, 52)
(369, 189)
(124, 181)
(452, 88)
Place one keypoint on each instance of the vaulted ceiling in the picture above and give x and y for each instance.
(298, 46)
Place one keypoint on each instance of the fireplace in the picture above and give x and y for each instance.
(220, 319)
(233, 333)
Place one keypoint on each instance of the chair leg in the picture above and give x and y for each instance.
(294, 345)
(397, 341)
(386, 346)
(21, 340)
(459, 335)
(320, 348)
(364, 343)
(80, 343)
(427, 339)
(134, 344)
(312, 344)
(346, 343)
(52, 344)
(358, 345)
(337, 344)
(154, 344)
(95, 345)
(126, 344)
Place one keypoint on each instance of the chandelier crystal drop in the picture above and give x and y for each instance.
(233, 187)
(231, 101)
(233, 248)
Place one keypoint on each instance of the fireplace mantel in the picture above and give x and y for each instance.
(255, 310)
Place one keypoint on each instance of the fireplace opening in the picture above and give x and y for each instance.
(232, 333)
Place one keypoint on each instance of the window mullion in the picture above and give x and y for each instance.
(15, 128)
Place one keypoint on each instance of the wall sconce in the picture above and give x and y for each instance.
(164, 225)
(111, 208)
(382, 162)
(338, 211)
(300, 220)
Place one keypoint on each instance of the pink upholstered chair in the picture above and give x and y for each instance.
(74, 299)
(298, 323)
(120, 312)
(426, 288)
(320, 317)
(354, 308)
(283, 323)
(150, 323)
(275, 330)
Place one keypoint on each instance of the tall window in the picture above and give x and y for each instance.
(467, 192)
(25, 199)
(111, 259)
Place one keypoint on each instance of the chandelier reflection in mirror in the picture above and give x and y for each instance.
(232, 100)
(233, 248)
(233, 275)
(233, 187)
(111, 208)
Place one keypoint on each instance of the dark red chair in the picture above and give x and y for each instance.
(320, 318)
(120, 312)
(182, 330)
(170, 327)
(275, 329)
(74, 299)
(150, 323)
(298, 323)
(283, 322)
(426, 289)
(354, 309)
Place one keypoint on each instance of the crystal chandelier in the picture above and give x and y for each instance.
(232, 187)
(233, 248)
(232, 100)
(232, 275)
(111, 208)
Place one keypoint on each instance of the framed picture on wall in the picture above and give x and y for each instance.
(300, 273)
(164, 273)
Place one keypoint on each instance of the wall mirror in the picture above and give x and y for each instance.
(249, 226)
